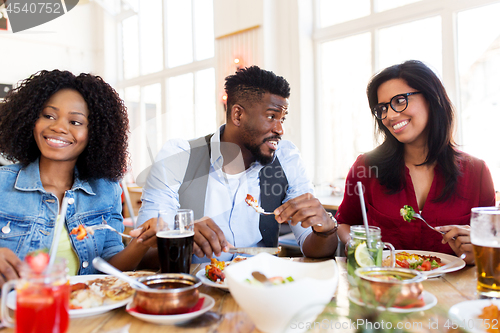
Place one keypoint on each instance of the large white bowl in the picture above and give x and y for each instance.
(273, 308)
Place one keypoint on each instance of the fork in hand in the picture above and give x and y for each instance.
(418, 216)
(104, 225)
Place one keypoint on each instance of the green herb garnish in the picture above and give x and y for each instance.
(407, 213)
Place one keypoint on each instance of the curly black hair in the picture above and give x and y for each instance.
(106, 154)
(250, 83)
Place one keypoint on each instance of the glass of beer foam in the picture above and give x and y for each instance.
(485, 239)
(175, 236)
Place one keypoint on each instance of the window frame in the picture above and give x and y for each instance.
(159, 77)
(446, 9)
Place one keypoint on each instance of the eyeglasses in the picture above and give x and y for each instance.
(398, 103)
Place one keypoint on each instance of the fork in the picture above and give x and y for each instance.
(102, 226)
(418, 216)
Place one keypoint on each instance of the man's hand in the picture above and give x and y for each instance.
(306, 209)
(9, 265)
(146, 234)
(208, 238)
(461, 243)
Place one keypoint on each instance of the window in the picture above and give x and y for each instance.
(460, 41)
(167, 73)
(479, 81)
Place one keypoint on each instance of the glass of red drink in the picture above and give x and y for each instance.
(42, 300)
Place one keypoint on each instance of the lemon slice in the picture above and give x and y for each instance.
(362, 256)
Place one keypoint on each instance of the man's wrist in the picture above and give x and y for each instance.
(329, 232)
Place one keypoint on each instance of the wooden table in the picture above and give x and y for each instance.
(226, 315)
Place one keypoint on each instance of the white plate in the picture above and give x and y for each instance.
(201, 275)
(107, 306)
(429, 299)
(445, 258)
(208, 303)
(465, 314)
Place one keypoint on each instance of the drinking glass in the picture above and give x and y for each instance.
(485, 239)
(370, 253)
(42, 300)
(175, 236)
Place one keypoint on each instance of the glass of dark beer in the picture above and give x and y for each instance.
(175, 236)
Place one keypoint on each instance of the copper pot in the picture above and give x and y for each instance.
(170, 293)
(388, 287)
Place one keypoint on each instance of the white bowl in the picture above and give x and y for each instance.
(273, 308)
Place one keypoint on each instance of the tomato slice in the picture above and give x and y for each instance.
(426, 265)
(403, 263)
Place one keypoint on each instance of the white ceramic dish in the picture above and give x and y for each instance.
(107, 306)
(465, 314)
(445, 258)
(201, 275)
(208, 303)
(429, 299)
(273, 308)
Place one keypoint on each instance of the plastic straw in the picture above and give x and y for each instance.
(363, 211)
(60, 223)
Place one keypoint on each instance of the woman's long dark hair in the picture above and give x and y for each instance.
(389, 156)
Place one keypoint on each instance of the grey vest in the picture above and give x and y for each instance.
(273, 186)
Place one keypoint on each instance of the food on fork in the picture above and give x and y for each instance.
(491, 315)
(407, 213)
(79, 231)
(414, 261)
(253, 203)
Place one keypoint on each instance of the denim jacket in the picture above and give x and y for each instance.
(31, 213)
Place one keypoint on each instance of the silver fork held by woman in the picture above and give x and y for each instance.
(104, 225)
(418, 216)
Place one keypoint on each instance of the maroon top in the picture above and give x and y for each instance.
(474, 189)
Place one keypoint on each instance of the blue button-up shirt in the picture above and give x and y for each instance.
(31, 213)
(225, 194)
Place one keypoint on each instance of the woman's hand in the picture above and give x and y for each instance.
(9, 265)
(146, 233)
(461, 243)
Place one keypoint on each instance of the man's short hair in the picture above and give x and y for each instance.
(250, 83)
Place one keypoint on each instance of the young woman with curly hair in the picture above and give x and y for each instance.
(418, 165)
(68, 135)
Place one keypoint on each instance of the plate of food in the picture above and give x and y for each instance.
(94, 294)
(212, 274)
(428, 301)
(482, 315)
(424, 261)
(208, 303)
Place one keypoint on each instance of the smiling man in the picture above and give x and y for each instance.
(213, 175)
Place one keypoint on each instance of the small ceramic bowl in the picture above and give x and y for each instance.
(169, 294)
(388, 287)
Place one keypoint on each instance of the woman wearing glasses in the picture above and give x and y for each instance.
(418, 165)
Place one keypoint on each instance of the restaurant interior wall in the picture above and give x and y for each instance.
(73, 41)
(459, 40)
(160, 110)
(294, 43)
